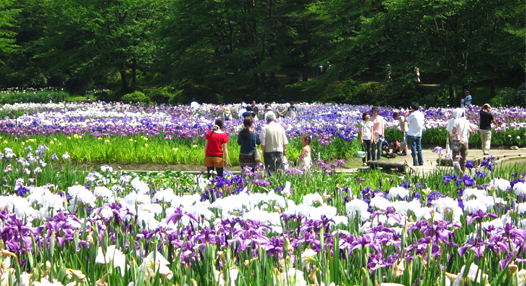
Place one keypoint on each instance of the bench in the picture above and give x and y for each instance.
(398, 167)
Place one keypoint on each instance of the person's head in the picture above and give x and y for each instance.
(366, 116)
(466, 92)
(486, 107)
(306, 139)
(193, 99)
(227, 110)
(218, 125)
(394, 140)
(415, 106)
(396, 115)
(247, 122)
(291, 103)
(249, 108)
(375, 111)
(270, 116)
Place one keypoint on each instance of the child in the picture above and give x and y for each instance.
(305, 156)
(395, 145)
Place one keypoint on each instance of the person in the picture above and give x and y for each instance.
(216, 148)
(468, 98)
(274, 144)
(292, 111)
(462, 100)
(415, 120)
(248, 139)
(403, 128)
(282, 109)
(268, 110)
(88, 100)
(385, 149)
(305, 156)
(194, 105)
(456, 114)
(242, 109)
(378, 134)
(395, 145)
(461, 129)
(248, 113)
(366, 127)
(227, 114)
(255, 110)
(486, 118)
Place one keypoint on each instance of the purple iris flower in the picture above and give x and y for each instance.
(478, 216)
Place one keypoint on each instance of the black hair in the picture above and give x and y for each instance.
(396, 114)
(245, 132)
(364, 114)
(249, 108)
(415, 106)
(218, 125)
(307, 137)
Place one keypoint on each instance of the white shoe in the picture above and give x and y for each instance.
(365, 164)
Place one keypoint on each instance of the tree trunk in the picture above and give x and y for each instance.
(134, 72)
(306, 59)
(452, 95)
(124, 82)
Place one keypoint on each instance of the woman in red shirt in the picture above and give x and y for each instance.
(215, 147)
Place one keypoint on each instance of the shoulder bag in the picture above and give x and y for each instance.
(257, 153)
(455, 146)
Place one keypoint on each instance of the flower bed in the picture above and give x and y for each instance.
(116, 228)
(174, 134)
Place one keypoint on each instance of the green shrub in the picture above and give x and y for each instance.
(135, 97)
(510, 97)
(166, 95)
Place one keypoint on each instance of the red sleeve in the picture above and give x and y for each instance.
(208, 135)
(226, 138)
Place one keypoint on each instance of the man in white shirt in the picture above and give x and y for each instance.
(273, 144)
(415, 120)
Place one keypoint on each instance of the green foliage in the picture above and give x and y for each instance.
(355, 93)
(511, 97)
(7, 22)
(135, 97)
(166, 95)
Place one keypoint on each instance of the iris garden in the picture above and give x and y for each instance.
(62, 226)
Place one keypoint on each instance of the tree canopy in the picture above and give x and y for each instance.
(218, 50)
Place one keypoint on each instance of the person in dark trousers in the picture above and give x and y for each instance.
(486, 118)
(366, 127)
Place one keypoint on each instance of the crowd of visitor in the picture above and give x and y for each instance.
(273, 140)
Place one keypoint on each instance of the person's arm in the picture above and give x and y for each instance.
(258, 140)
(285, 141)
(239, 138)
(225, 152)
(361, 133)
(206, 146)
(302, 153)
(262, 138)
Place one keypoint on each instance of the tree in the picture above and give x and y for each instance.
(7, 22)
(87, 38)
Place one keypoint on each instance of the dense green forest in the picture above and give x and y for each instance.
(359, 51)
